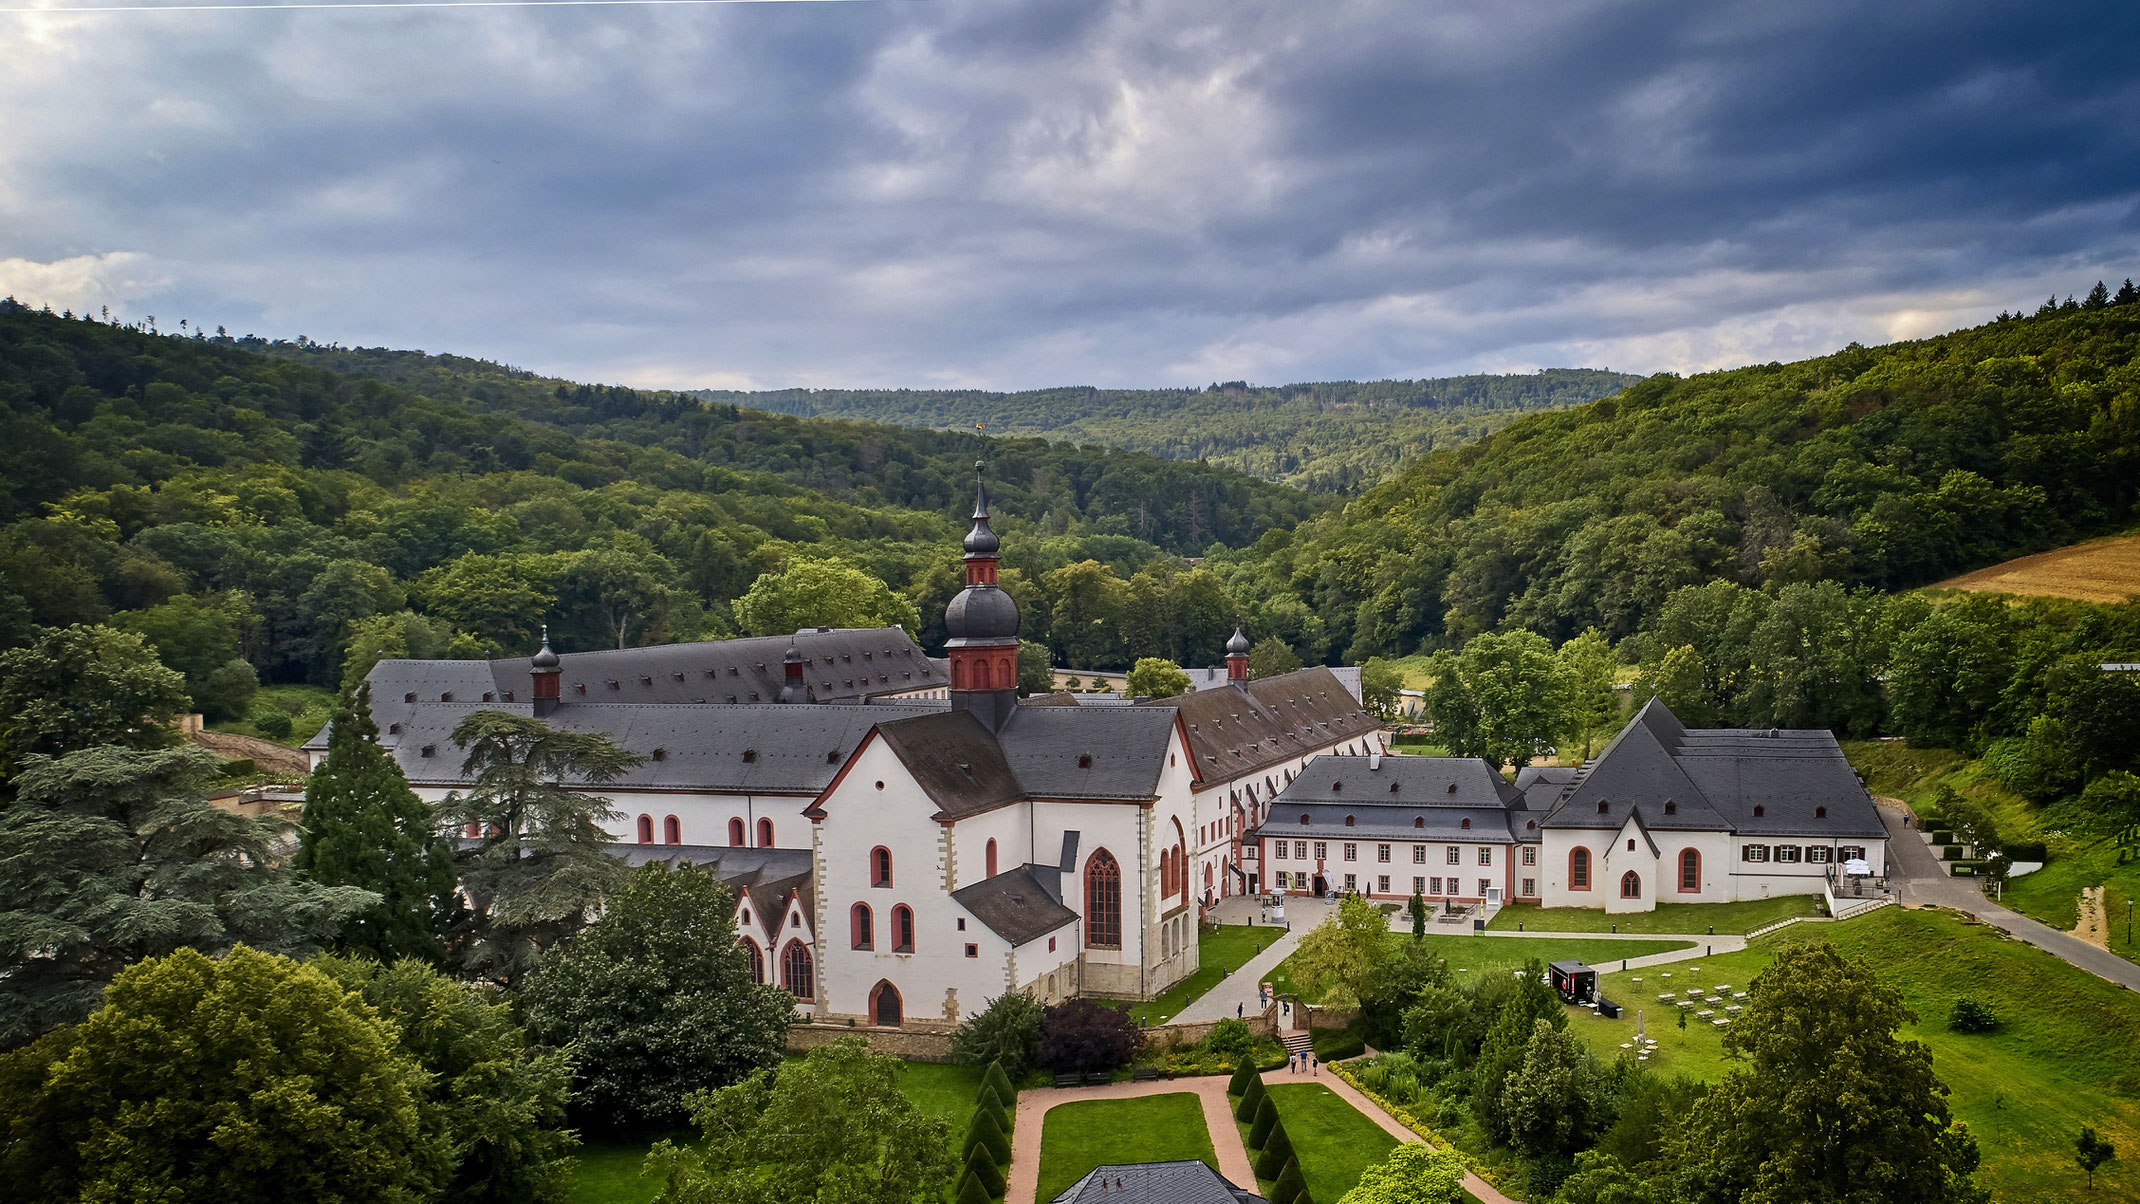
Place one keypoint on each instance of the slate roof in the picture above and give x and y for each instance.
(766, 876)
(1234, 730)
(1156, 1183)
(1042, 752)
(1206, 679)
(1396, 798)
(842, 665)
(1716, 779)
(1014, 905)
(765, 749)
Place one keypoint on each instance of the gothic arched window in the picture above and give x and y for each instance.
(1103, 901)
(796, 971)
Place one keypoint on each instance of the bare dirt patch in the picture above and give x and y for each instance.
(2101, 570)
(2093, 928)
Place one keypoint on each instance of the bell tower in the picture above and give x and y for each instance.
(983, 624)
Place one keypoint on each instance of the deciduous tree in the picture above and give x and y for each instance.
(832, 1125)
(1826, 1104)
(1155, 678)
(657, 1000)
(1335, 959)
(251, 1080)
(82, 686)
(1501, 698)
(812, 592)
(1412, 1174)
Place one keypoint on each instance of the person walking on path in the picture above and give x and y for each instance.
(1314, 1067)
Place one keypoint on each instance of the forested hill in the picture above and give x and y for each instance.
(229, 503)
(1332, 436)
(1891, 467)
(1183, 507)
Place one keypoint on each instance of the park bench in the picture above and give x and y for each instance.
(1069, 1080)
(1144, 1074)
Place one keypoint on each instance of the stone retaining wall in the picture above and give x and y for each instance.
(900, 1043)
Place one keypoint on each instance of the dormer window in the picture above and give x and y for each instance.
(1393, 787)
(579, 687)
(1465, 824)
(446, 697)
(661, 754)
(1304, 821)
(393, 729)
(1452, 787)
(614, 684)
(1670, 807)
(1337, 787)
(833, 757)
(1348, 821)
(646, 679)
(1820, 813)
(1084, 761)
(1419, 821)
(430, 750)
(749, 755)
(1602, 806)
(1759, 812)
(1532, 826)
(680, 676)
(488, 696)
(408, 697)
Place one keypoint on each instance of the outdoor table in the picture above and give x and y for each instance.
(1740, 995)
(1667, 997)
(1719, 1023)
(1705, 1013)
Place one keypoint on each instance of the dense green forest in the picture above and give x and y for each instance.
(1330, 436)
(1889, 467)
(1098, 490)
(240, 509)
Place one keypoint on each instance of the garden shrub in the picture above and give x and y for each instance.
(972, 1190)
(987, 1134)
(1337, 1044)
(1230, 1039)
(1246, 1110)
(1972, 1015)
(1243, 1074)
(1083, 1034)
(1002, 1033)
(983, 1167)
(273, 724)
(1292, 1186)
(1260, 1126)
(999, 1079)
(1277, 1151)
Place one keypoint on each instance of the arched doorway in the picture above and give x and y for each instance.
(884, 1005)
(1630, 885)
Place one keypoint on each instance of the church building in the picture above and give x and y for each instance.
(907, 838)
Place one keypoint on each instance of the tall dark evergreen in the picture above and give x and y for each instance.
(364, 827)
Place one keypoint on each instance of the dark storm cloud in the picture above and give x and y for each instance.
(1025, 194)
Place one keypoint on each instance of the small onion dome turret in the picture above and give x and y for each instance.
(981, 612)
(1238, 645)
(545, 659)
(981, 541)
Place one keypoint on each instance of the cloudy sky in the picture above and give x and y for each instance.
(1016, 194)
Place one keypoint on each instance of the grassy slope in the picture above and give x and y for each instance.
(1220, 952)
(1489, 954)
(608, 1171)
(1155, 1128)
(2067, 1054)
(1669, 917)
(1331, 1140)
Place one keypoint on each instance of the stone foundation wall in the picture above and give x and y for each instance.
(913, 1045)
(1260, 1024)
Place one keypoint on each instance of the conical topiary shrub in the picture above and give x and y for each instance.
(987, 1134)
(994, 1111)
(972, 1190)
(1292, 1188)
(1245, 1111)
(1277, 1151)
(994, 1077)
(984, 1168)
(988, 1097)
(1266, 1119)
(1243, 1074)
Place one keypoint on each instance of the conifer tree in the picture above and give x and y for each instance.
(995, 1078)
(972, 1190)
(1262, 1121)
(1277, 1151)
(2098, 297)
(2127, 294)
(364, 827)
(1251, 1096)
(1292, 1187)
(981, 1164)
(1243, 1074)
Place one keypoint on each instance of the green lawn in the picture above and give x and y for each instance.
(1153, 1128)
(1474, 955)
(2067, 1053)
(1220, 951)
(1692, 918)
(1331, 1140)
(2052, 894)
(608, 1171)
(307, 707)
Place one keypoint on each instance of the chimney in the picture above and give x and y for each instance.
(548, 675)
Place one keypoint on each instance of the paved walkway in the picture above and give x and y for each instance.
(1239, 993)
(1210, 1090)
(1486, 1192)
(1034, 1104)
(1917, 876)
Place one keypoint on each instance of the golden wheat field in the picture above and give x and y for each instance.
(2101, 570)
